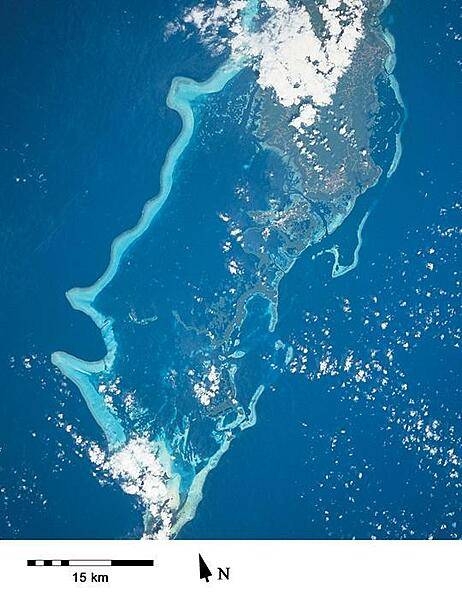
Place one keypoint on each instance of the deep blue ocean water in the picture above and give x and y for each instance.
(84, 130)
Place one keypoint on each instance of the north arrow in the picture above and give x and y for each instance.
(204, 571)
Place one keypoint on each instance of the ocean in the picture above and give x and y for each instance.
(360, 438)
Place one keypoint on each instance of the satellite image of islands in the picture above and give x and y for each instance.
(230, 269)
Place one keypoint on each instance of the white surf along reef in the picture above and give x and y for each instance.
(299, 53)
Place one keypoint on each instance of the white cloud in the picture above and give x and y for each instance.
(300, 66)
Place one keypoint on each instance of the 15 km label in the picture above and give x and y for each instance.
(90, 577)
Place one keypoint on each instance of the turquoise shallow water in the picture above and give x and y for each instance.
(182, 93)
(309, 431)
(91, 377)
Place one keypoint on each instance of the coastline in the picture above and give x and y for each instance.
(182, 93)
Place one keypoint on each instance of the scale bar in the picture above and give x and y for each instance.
(91, 563)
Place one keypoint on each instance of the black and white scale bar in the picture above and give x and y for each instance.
(91, 563)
